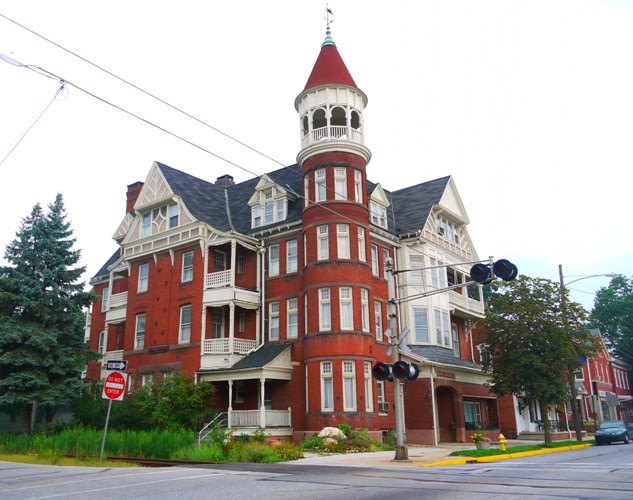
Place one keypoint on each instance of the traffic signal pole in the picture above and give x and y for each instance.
(398, 400)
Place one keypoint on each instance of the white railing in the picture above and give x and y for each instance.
(333, 132)
(111, 356)
(215, 280)
(118, 300)
(252, 418)
(228, 345)
(464, 302)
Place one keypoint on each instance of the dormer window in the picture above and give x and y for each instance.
(447, 229)
(378, 214)
(173, 214)
(269, 205)
(160, 219)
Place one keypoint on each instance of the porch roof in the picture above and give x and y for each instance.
(271, 361)
(442, 356)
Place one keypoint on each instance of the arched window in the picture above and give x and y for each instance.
(304, 124)
(318, 119)
(355, 120)
(338, 117)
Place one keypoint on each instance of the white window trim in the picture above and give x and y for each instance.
(368, 382)
(320, 186)
(273, 321)
(340, 183)
(362, 249)
(143, 281)
(378, 214)
(424, 311)
(323, 246)
(349, 375)
(325, 305)
(187, 269)
(346, 307)
(139, 334)
(292, 256)
(358, 186)
(292, 310)
(342, 241)
(101, 347)
(184, 332)
(364, 309)
(326, 374)
(375, 262)
(273, 260)
(378, 319)
(105, 299)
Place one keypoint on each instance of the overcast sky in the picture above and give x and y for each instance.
(527, 104)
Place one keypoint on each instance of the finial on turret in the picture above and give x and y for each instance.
(328, 34)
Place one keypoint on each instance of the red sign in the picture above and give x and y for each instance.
(114, 386)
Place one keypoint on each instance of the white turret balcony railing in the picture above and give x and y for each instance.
(332, 132)
(117, 308)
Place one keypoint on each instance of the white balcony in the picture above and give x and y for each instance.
(224, 352)
(117, 308)
(219, 292)
(219, 279)
(465, 307)
(336, 132)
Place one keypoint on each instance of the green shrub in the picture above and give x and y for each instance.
(314, 442)
(288, 451)
(346, 429)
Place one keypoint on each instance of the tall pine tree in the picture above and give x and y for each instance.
(42, 348)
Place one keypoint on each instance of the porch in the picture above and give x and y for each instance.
(246, 422)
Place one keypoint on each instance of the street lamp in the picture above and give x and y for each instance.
(572, 379)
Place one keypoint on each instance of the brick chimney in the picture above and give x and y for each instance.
(225, 181)
(133, 190)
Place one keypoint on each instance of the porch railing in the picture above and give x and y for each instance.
(219, 279)
(118, 300)
(228, 345)
(332, 132)
(253, 418)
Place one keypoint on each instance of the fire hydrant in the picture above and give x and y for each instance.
(503, 442)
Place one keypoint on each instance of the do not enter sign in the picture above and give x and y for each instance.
(114, 386)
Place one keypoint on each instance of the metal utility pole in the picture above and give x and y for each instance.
(572, 376)
(398, 401)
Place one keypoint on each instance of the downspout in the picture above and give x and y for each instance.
(435, 429)
(262, 255)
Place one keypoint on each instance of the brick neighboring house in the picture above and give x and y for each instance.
(603, 393)
(274, 289)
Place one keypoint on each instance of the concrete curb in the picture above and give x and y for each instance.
(494, 458)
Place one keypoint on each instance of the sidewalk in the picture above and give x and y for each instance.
(421, 456)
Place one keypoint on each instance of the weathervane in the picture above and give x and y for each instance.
(328, 13)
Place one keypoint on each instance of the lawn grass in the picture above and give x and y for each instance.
(514, 449)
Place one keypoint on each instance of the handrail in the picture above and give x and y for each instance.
(219, 419)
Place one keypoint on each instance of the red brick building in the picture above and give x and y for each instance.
(274, 289)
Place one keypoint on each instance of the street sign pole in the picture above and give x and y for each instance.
(105, 430)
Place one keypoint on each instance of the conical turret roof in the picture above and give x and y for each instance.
(329, 67)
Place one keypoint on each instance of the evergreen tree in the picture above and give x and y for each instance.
(42, 349)
(534, 347)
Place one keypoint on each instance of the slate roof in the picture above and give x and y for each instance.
(103, 273)
(443, 356)
(257, 359)
(412, 205)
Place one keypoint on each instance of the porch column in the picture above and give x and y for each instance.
(230, 412)
(231, 325)
(262, 409)
(233, 262)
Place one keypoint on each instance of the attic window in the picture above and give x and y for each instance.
(378, 214)
(447, 229)
(272, 207)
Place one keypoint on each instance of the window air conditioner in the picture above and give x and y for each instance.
(383, 407)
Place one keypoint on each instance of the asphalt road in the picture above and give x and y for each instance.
(594, 473)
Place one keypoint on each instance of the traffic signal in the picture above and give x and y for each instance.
(400, 370)
(503, 268)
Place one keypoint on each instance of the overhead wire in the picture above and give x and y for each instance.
(166, 103)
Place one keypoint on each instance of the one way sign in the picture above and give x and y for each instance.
(119, 365)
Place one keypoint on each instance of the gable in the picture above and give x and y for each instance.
(155, 191)
(379, 196)
(123, 228)
(452, 204)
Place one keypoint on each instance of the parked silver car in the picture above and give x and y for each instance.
(614, 430)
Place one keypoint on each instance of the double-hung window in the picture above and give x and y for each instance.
(378, 214)
(320, 189)
(340, 184)
(273, 321)
(349, 386)
(187, 267)
(173, 213)
(105, 299)
(374, 261)
(323, 250)
(362, 251)
(293, 318)
(291, 256)
(421, 325)
(455, 334)
(327, 388)
(273, 260)
(342, 239)
(140, 330)
(143, 277)
(368, 383)
(346, 308)
(185, 324)
(146, 227)
(442, 328)
(101, 348)
(325, 312)
(378, 319)
(358, 187)
(364, 309)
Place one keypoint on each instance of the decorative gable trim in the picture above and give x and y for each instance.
(123, 228)
(156, 191)
(379, 196)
